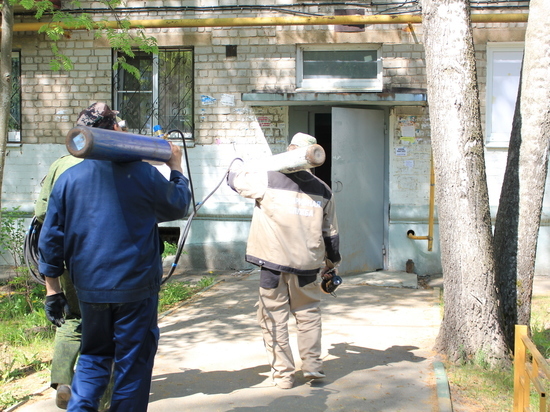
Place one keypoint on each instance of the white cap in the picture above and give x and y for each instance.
(303, 140)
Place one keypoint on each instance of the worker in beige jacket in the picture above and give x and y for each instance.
(293, 238)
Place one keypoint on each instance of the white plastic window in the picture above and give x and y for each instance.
(325, 68)
(503, 76)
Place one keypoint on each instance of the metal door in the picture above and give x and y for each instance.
(358, 181)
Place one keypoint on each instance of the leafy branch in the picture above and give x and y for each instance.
(123, 39)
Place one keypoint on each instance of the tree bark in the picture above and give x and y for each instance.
(5, 81)
(471, 325)
(520, 206)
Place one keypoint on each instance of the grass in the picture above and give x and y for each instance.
(476, 388)
(175, 292)
(26, 343)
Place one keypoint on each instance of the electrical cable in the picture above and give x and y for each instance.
(186, 162)
(196, 207)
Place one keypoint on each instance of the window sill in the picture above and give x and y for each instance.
(497, 145)
(338, 90)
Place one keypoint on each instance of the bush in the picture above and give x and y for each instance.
(12, 234)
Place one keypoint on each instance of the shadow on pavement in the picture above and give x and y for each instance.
(344, 360)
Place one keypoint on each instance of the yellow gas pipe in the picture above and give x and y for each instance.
(274, 21)
(430, 237)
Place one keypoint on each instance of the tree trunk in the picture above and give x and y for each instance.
(471, 326)
(518, 218)
(5, 81)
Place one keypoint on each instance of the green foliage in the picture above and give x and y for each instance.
(7, 399)
(25, 333)
(540, 324)
(12, 234)
(476, 386)
(480, 359)
(484, 389)
(32, 363)
(40, 7)
(170, 249)
(121, 39)
(22, 302)
(26, 337)
(205, 282)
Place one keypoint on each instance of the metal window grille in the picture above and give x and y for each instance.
(14, 122)
(162, 96)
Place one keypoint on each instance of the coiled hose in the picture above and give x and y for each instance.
(30, 250)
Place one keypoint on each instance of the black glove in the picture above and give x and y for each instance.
(56, 307)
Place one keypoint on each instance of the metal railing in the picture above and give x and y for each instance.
(528, 365)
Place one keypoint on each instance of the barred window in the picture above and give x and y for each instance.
(162, 96)
(14, 122)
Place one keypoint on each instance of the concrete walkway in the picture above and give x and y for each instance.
(377, 353)
(377, 340)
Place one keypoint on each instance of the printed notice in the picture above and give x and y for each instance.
(408, 133)
(401, 151)
(264, 121)
(227, 100)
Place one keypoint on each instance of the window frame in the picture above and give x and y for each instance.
(341, 84)
(492, 137)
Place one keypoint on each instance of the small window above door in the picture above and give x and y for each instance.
(342, 68)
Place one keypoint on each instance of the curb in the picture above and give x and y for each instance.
(21, 403)
(442, 388)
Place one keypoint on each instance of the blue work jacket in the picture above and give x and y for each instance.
(101, 222)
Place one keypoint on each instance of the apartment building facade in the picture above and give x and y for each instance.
(243, 87)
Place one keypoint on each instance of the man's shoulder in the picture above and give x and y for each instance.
(303, 181)
(64, 162)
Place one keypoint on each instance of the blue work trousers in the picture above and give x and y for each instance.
(126, 334)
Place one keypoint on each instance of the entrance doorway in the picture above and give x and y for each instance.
(356, 170)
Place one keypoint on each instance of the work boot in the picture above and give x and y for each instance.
(284, 383)
(63, 395)
(315, 375)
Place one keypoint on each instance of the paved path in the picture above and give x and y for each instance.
(377, 354)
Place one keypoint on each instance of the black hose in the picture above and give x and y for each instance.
(30, 250)
(185, 231)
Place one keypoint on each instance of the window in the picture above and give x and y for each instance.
(322, 68)
(163, 96)
(503, 74)
(14, 122)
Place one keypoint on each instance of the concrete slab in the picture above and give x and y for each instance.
(384, 278)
